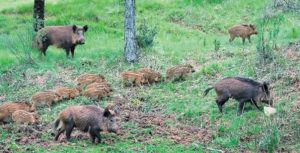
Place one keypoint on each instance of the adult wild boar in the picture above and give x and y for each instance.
(242, 90)
(244, 31)
(90, 119)
(65, 37)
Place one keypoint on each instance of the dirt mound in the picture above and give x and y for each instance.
(296, 107)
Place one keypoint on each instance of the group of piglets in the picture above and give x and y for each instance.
(149, 76)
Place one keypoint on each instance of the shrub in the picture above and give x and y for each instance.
(145, 35)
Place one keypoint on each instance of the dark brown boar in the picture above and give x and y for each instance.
(65, 37)
(24, 117)
(244, 31)
(179, 72)
(87, 119)
(242, 90)
(8, 108)
(133, 78)
(86, 79)
(150, 75)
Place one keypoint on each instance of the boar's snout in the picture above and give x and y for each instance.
(81, 41)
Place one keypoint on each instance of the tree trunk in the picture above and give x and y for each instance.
(130, 49)
(38, 14)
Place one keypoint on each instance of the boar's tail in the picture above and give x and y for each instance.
(207, 90)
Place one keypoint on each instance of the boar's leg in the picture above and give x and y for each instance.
(58, 134)
(255, 104)
(221, 100)
(72, 51)
(95, 133)
(243, 40)
(249, 38)
(69, 128)
(67, 52)
(241, 107)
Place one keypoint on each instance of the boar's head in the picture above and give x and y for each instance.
(78, 34)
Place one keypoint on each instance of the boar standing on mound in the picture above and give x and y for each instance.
(150, 75)
(244, 31)
(179, 72)
(242, 90)
(87, 119)
(7, 109)
(24, 117)
(65, 37)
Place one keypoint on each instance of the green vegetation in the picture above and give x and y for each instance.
(188, 31)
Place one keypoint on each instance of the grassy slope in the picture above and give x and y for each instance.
(178, 41)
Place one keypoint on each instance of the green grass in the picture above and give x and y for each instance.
(186, 32)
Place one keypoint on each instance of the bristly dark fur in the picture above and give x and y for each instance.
(247, 80)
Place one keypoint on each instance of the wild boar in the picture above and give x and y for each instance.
(67, 93)
(96, 93)
(86, 79)
(133, 78)
(179, 72)
(101, 85)
(241, 89)
(44, 98)
(90, 119)
(65, 37)
(24, 117)
(8, 108)
(244, 31)
(150, 75)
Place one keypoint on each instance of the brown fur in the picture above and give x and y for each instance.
(243, 31)
(134, 78)
(67, 93)
(101, 85)
(179, 71)
(7, 109)
(150, 75)
(44, 98)
(65, 37)
(96, 93)
(241, 89)
(87, 119)
(24, 117)
(86, 79)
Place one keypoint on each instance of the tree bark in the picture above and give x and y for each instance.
(130, 49)
(38, 14)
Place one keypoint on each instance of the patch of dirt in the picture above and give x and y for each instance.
(182, 23)
(296, 107)
(292, 51)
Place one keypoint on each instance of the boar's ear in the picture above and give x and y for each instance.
(85, 28)
(108, 112)
(74, 27)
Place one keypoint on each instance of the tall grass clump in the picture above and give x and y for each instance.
(270, 140)
(145, 35)
(19, 44)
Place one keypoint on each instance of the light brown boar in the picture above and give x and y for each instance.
(8, 108)
(133, 78)
(100, 85)
(241, 89)
(244, 31)
(86, 79)
(67, 93)
(44, 98)
(150, 75)
(90, 119)
(24, 117)
(179, 72)
(65, 37)
(96, 93)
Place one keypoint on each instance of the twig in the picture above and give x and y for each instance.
(211, 149)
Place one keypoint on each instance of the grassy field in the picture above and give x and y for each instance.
(169, 116)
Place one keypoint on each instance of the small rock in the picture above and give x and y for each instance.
(269, 111)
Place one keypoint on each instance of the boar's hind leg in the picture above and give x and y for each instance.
(221, 100)
(249, 39)
(241, 107)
